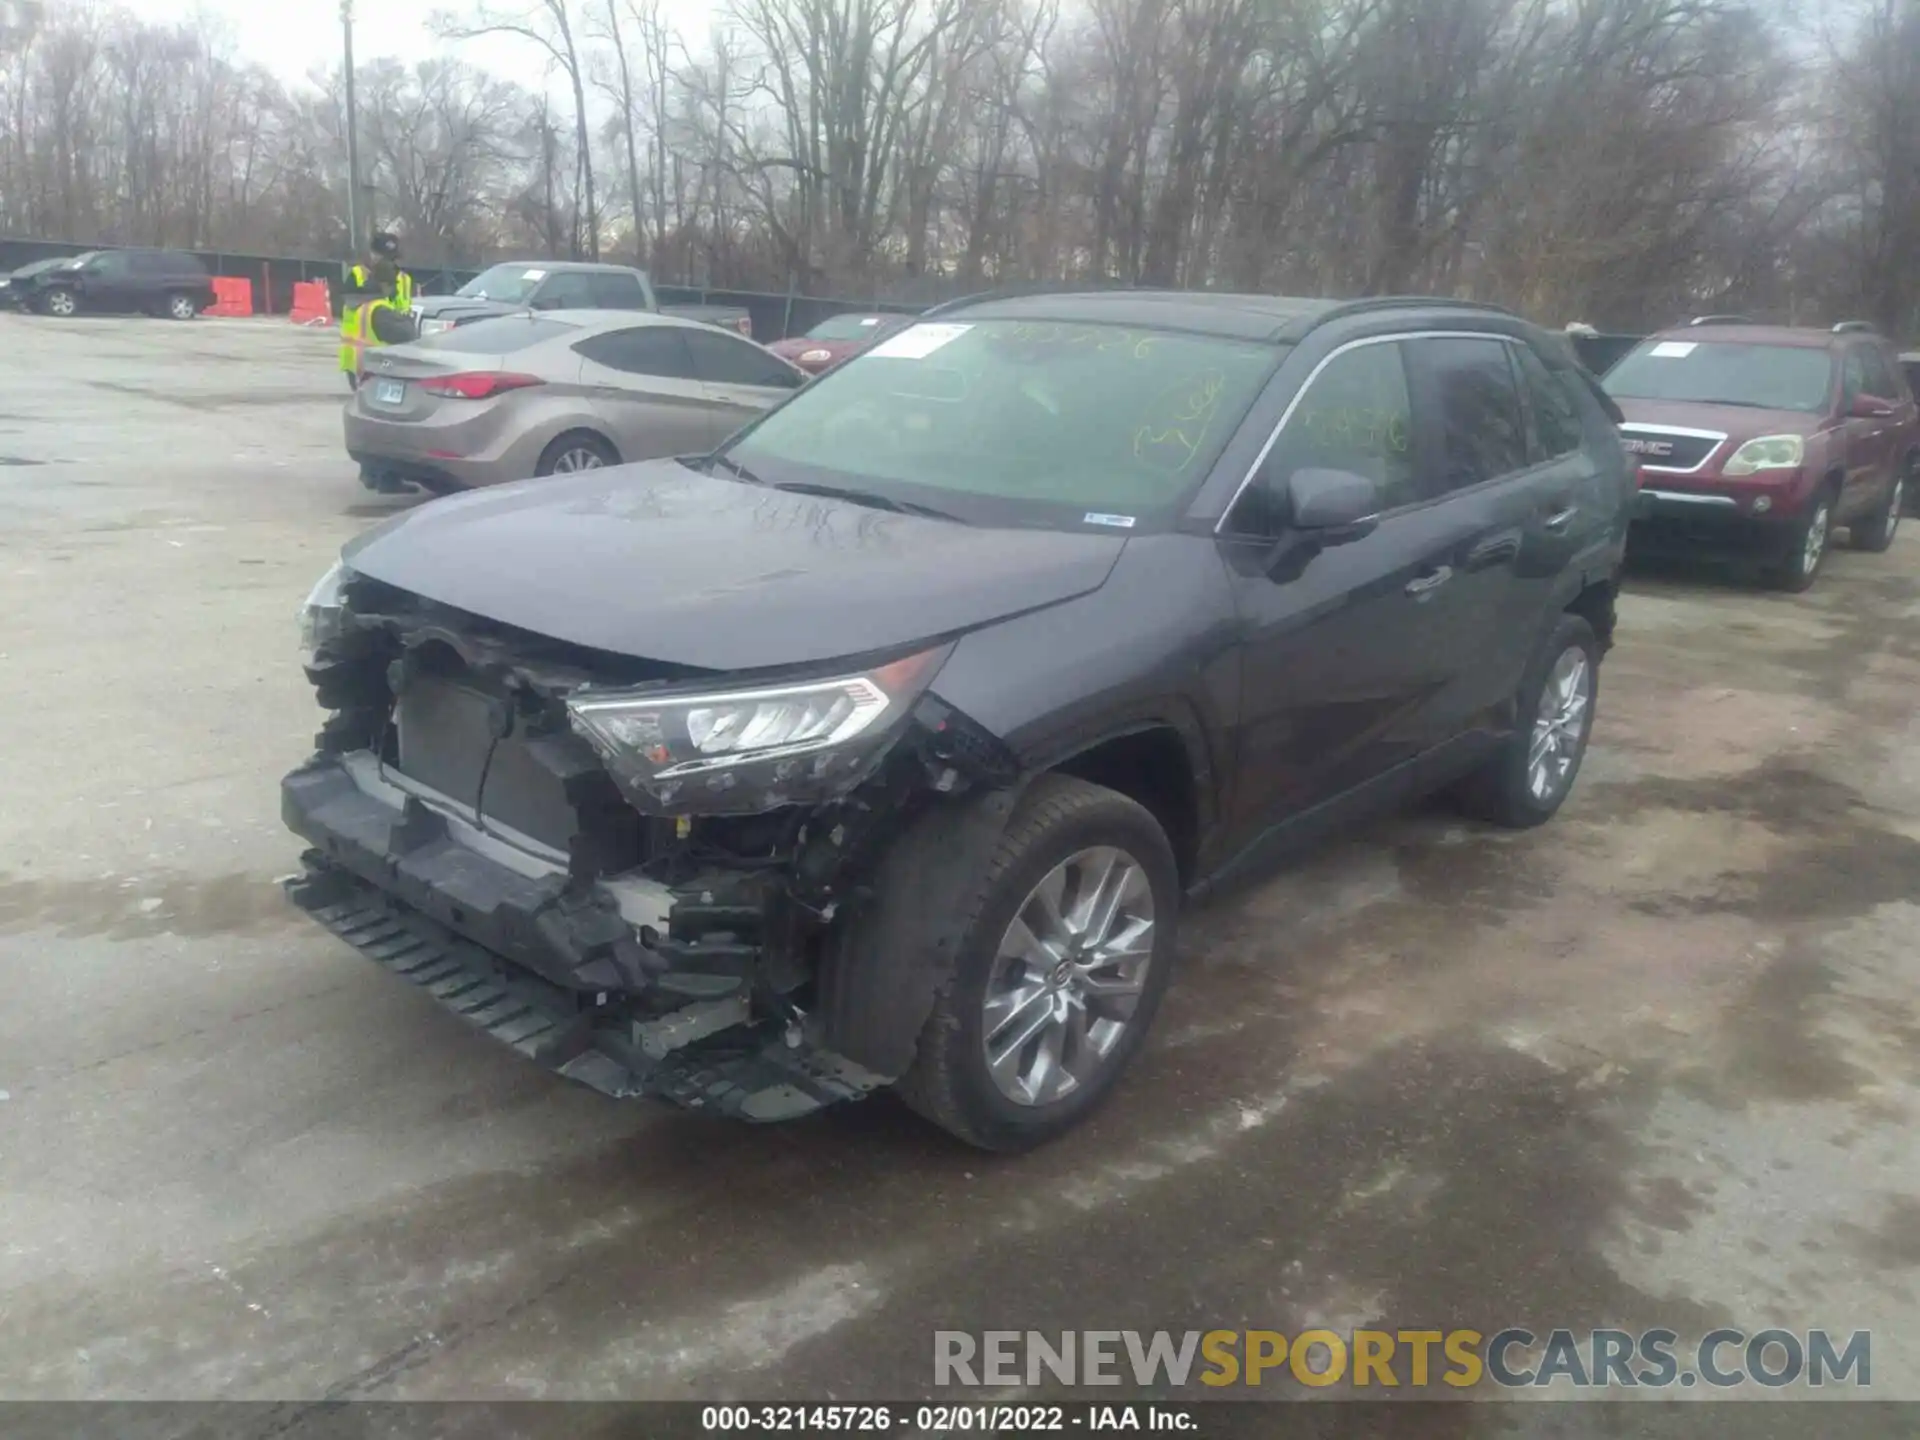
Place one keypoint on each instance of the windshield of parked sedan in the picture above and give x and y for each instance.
(508, 283)
(1770, 377)
(845, 327)
(1017, 421)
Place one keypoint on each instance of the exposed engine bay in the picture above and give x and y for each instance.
(561, 845)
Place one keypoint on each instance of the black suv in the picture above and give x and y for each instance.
(122, 282)
(884, 745)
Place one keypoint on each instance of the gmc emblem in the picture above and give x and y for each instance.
(1656, 448)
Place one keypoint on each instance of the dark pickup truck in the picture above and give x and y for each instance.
(518, 285)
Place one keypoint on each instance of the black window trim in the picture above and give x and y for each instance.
(634, 326)
(1397, 337)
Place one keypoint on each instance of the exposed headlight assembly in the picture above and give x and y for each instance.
(323, 617)
(716, 752)
(1769, 452)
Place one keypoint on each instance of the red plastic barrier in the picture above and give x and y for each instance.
(232, 297)
(312, 305)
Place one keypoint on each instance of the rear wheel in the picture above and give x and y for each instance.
(1058, 976)
(63, 303)
(1808, 544)
(1526, 781)
(1875, 532)
(575, 452)
(181, 306)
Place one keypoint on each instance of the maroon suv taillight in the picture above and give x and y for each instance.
(478, 384)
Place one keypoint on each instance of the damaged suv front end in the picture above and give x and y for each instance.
(625, 870)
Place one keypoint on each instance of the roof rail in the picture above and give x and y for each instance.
(1018, 292)
(1723, 320)
(1856, 327)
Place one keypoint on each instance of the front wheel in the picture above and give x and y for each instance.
(1807, 545)
(63, 303)
(1526, 781)
(1058, 977)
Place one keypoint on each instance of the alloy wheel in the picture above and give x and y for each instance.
(578, 458)
(1559, 724)
(60, 302)
(180, 307)
(1816, 543)
(1068, 976)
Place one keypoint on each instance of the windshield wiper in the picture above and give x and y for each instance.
(1743, 404)
(870, 498)
(735, 466)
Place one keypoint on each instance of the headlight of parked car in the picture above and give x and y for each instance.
(323, 617)
(816, 357)
(434, 327)
(716, 752)
(1770, 452)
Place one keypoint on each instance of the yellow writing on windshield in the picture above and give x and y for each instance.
(1169, 441)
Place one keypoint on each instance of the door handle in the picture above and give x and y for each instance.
(1560, 519)
(1431, 581)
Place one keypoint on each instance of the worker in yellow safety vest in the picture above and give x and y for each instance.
(370, 288)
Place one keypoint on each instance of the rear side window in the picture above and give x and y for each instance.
(720, 358)
(642, 350)
(174, 263)
(1355, 415)
(1476, 407)
(1550, 407)
(616, 292)
(494, 337)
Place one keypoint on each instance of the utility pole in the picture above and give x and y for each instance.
(353, 137)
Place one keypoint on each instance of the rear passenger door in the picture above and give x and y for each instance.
(641, 384)
(742, 380)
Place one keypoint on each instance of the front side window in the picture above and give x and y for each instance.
(1355, 415)
(1021, 421)
(846, 327)
(1879, 374)
(570, 290)
(1764, 377)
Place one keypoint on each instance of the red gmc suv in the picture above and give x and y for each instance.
(1761, 440)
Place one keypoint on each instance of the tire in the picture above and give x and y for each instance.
(1504, 790)
(63, 303)
(1797, 572)
(1070, 830)
(1875, 533)
(181, 306)
(574, 451)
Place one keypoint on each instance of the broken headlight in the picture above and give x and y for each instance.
(713, 752)
(323, 617)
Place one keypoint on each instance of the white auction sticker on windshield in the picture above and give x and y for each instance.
(533, 274)
(1124, 522)
(918, 342)
(870, 320)
(1673, 349)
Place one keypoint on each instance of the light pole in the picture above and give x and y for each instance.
(353, 136)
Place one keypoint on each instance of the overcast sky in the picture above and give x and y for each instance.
(293, 37)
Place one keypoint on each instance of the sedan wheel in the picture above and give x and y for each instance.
(1068, 977)
(61, 303)
(578, 458)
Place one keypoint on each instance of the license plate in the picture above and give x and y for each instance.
(389, 392)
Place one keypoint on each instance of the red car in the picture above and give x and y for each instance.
(1762, 440)
(837, 338)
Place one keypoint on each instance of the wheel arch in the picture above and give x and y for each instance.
(574, 429)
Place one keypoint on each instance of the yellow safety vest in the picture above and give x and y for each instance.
(356, 320)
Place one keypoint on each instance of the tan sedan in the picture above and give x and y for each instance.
(552, 392)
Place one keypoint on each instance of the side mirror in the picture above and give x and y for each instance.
(1333, 506)
(1870, 407)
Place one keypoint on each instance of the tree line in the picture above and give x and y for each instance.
(1619, 162)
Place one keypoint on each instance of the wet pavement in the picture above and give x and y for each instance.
(1656, 1064)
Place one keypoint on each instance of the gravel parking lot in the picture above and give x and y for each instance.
(1657, 1064)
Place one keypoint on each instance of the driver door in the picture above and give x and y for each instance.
(108, 282)
(1344, 648)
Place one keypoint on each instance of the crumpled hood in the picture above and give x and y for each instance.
(665, 563)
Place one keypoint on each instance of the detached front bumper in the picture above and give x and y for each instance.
(606, 983)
